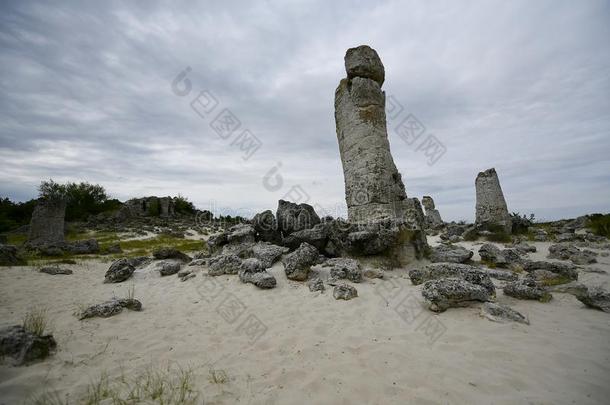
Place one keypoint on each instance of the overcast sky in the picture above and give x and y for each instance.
(86, 95)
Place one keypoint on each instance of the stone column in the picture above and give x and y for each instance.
(433, 217)
(47, 223)
(491, 209)
(373, 187)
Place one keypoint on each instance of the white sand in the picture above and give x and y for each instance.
(316, 350)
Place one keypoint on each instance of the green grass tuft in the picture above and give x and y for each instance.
(35, 321)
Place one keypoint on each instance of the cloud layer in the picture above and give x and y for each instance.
(520, 86)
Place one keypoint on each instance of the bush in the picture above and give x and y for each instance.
(13, 215)
(600, 224)
(183, 206)
(520, 224)
(83, 199)
(154, 209)
(35, 321)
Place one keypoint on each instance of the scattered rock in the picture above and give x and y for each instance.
(344, 292)
(252, 271)
(167, 268)
(465, 272)
(566, 251)
(492, 255)
(224, 264)
(170, 253)
(54, 270)
(119, 271)
(527, 289)
(198, 262)
(139, 261)
(188, 277)
(503, 275)
(433, 217)
(268, 253)
(547, 278)
(83, 247)
(110, 308)
(373, 273)
(298, 263)
(566, 270)
(241, 233)
(454, 292)
(344, 268)
(502, 313)
(293, 217)
(9, 256)
(525, 247)
(450, 254)
(24, 347)
(266, 227)
(316, 284)
(595, 297)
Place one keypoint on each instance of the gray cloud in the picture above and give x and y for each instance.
(522, 86)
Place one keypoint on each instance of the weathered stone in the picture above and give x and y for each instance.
(168, 268)
(47, 223)
(266, 227)
(170, 253)
(316, 284)
(114, 248)
(344, 268)
(9, 256)
(149, 207)
(268, 253)
(373, 273)
(252, 271)
(525, 247)
(293, 217)
(566, 270)
(595, 297)
(433, 217)
(224, 264)
(139, 261)
(119, 271)
(241, 233)
(110, 308)
(491, 209)
(344, 292)
(502, 313)
(363, 61)
(216, 241)
(316, 236)
(494, 256)
(527, 289)
(24, 347)
(54, 270)
(566, 251)
(298, 263)
(503, 275)
(450, 254)
(454, 292)
(468, 273)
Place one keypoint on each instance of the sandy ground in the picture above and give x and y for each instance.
(380, 348)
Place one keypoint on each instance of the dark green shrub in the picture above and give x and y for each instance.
(600, 224)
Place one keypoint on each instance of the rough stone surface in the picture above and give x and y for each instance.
(502, 313)
(450, 253)
(266, 227)
(119, 271)
(503, 275)
(47, 223)
(110, 308)
(83, 247)
(595, 297)
(567, 251)
(453, 292)
(344, 292)
(54, 270)
(241, 233)
(24, 347)
(527, 289)
(168, 268)
(316, 284)
(525, 247)
(316, 236)
(170, 253)
(436, 271)
(491, 209)
(224, 264)
(566, 270)
(252, 271)
(433, 217)
(298, 263)
(373, 273)
(363, 61)
(495, 256)
(546, 278)
(344, 268)
(268, 253)
(293, 217)
(9, 255)
(149, 206)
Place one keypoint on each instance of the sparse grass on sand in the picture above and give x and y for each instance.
(36, 321)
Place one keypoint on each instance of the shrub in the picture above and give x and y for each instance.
(183, 206)
(600, 224)
(35, 321)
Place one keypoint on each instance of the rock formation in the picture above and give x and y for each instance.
(374, 192)
(150, 206)
(373, 186)
(47, 223)
(433, 217)
(491, 210)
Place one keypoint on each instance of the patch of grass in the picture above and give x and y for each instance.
(546, 297)
(218, 376)
(148, 245)
(489, 264)
(600, 224)
(16, 239)
(35, 321)
(131, 292)
(46, 398)
(554, 281)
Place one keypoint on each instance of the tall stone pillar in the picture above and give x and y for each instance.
(491, 209)
(47, 223)
(433, 217)
(373, 187)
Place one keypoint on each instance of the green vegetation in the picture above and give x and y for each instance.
(13, 215)
(600, 224)
(183, 205)
(554, 281)
(35, 321)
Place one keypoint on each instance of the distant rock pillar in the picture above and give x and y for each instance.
(491, 209)
(373, 187)
(433, 217)
(47, 223)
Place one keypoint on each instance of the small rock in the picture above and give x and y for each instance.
(9, 255)
(450, 254)
(453, 292)
(110, 308)
(224, 264)
(566, 270)
(316, 284)
(53, 270)
(344, 292)
(298, 263)
(466, 272)
(501, 313)
(167, 268)
(268, 253)
(198, 262)
(373, 273)
(595, 297)
(503, 275)
(527, 289)
(170, 253)
(344, 268)
(23, 346)
(120, 270)
(188, 277)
